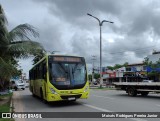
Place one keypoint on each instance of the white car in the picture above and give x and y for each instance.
(27, 83)
(18, 84)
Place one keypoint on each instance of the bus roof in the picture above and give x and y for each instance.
(52, 55)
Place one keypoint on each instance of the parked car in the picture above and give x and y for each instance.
(18, 84)
(27, 83)
(95, 83)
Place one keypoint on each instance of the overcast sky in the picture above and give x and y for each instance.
(64, 26)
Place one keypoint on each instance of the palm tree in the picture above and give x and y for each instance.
(15, 44)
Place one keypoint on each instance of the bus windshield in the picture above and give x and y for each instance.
(66, 75)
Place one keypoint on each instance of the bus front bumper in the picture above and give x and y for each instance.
(57, 97)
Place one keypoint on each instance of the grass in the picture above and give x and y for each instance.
(6, 119)
(5, 107)
(6, 95)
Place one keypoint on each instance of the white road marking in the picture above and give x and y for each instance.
(105, 110)
(97, 108)
(158, 105)
(138, 119)
(103, 97)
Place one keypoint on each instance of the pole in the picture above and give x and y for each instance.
(93, 70)
(100, 24)
(101, 80)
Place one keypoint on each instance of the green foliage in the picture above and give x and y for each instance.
(110, 68)
(90, 76)
(117, 66)
(15, 44)
(96, 75)
(153, 66)
(38, 55)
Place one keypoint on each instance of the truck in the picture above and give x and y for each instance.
(134, 88)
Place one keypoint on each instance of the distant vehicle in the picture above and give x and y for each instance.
(143, 88)
(149, 81)
(18, 84)
(26, 83)
(95, 83)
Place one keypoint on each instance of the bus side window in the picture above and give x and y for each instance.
(50, 71)
(34, 73)
(44, 71)
(40, 71)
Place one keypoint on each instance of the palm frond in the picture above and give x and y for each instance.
(3, 35)
(24, 48)
(22, 32)
(2, 16)
(3, 19)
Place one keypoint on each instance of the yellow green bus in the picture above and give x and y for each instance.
(59, 77)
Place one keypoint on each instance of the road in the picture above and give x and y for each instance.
(99, 101)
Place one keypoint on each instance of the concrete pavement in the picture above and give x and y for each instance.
(99, 101)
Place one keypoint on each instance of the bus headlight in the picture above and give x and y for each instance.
(86, 88)
(52, 90)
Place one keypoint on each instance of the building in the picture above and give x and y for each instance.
(132, 73)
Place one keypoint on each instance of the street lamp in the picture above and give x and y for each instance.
(100, 25)
(93, 59)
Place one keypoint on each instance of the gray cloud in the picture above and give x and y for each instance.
(134, 21)
(65, 26)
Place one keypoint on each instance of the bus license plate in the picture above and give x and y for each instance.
(71, 98)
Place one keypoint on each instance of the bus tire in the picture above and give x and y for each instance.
(144, 93)
(33, 94)
(73, 100)
(15, 88)
(132, 92)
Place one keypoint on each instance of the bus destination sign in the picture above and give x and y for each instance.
(67, 59)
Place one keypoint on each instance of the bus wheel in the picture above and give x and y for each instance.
(15, 88)
(33, 94)
(132, 92)
(144, 93)
(73, 100)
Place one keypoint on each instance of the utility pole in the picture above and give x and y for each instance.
(93, 59)
(100, 26)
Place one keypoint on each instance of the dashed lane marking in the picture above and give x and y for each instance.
(97, 108)
(103, 97)
(105, 110)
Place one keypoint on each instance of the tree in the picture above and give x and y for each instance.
(15, 44)
(38, 56)
(90, 76)
(117, 66)
(153, 69)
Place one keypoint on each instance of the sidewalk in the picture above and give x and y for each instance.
(17, 104)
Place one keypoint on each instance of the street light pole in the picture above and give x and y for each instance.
(93, 59)
(100, 25)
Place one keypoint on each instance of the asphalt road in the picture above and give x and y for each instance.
(99, 101)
